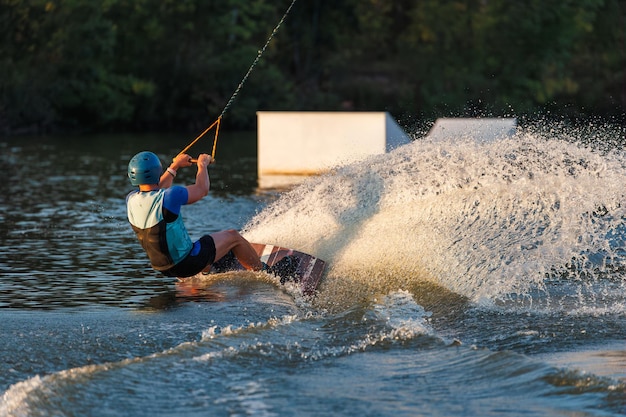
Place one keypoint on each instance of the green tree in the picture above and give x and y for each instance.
(598, 63)
(60, 59)
(529, 47)
(151, 64)
(195, 53)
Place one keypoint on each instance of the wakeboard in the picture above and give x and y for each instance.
(301, 268)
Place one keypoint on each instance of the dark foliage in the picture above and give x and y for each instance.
(173, 64)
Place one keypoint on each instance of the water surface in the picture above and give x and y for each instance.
(464, 279)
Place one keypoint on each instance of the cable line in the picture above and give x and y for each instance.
(216, 123)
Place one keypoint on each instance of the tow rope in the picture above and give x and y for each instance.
(216, 123)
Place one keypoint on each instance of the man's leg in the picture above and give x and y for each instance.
(228, 240)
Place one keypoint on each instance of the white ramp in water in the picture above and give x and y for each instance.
(309, 143)
(482, 130)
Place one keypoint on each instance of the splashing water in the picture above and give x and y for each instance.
(534, 219)
(464, 278)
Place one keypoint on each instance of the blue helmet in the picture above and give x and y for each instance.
(144, 168)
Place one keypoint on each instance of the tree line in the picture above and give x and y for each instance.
(77, 65)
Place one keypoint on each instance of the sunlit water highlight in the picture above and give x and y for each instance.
(465, 278)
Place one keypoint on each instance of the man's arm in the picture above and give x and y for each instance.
(180, 161)
(201, 188)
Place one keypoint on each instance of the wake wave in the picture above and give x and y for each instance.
(285, 340)
(218, 366)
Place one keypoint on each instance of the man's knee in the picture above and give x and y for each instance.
(233, 235)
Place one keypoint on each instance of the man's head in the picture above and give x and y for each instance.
(144, 168)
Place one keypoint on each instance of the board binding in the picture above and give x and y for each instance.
(307, 270)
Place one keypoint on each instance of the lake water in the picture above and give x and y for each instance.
(464, 279)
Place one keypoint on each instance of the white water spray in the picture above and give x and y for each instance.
(487, 221)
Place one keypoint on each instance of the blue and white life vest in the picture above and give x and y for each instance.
(162, 235)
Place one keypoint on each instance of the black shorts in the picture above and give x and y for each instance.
(192, 265)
